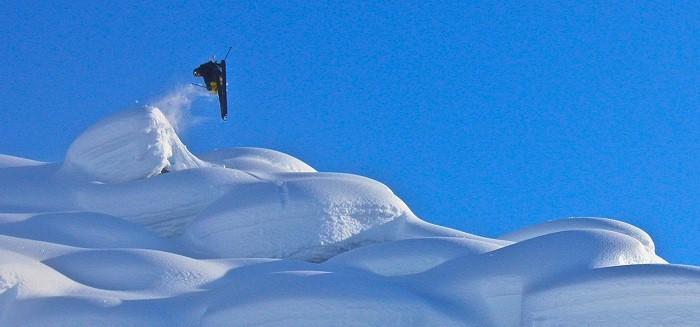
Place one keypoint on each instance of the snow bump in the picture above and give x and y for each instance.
(132, 144)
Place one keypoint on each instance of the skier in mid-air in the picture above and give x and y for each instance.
(214, 75)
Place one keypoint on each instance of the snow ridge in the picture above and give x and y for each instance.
(132, 144)
(258, 237)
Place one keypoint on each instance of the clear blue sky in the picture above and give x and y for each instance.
(486, 117)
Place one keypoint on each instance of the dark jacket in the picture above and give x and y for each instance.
(210, 71)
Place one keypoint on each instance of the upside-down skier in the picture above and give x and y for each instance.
(214, 74)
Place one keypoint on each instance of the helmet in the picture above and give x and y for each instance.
(195, 72)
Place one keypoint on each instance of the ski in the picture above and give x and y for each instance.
(223, 101)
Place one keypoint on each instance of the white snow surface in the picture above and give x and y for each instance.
(132, 144)
(255, 237)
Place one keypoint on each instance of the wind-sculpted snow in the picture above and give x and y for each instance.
(308, 216)
(414, 255)
(80, 229)
(629, 294)
(257, 161)
(14, 162)
(136, 143)
(251, 236)
(581, 224)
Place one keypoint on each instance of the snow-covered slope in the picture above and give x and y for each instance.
(251, 236)
(132, 144)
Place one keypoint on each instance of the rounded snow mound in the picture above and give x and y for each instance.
(11, 161)
(310, 216)
(411, 256)
(583, 223)
(132, 144)
(257, 161)
(131, 269)
(85, 230)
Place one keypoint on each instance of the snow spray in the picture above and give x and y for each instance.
(176, 106)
